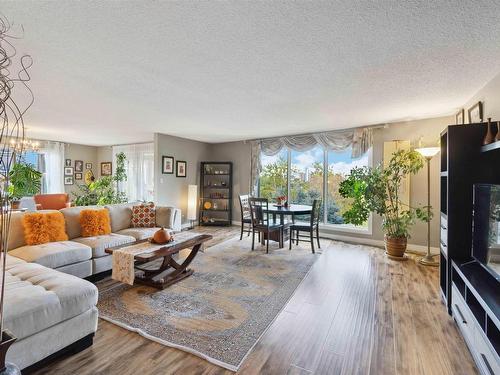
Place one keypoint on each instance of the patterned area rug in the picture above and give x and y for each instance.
(218, 313)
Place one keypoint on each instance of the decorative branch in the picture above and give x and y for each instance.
(11, 130)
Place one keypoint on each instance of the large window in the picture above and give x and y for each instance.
(301, 177)
(339, 166)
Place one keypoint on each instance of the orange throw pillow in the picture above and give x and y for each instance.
(40, 228)
(57, 226)
(95, 222)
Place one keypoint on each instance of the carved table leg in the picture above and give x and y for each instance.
(169, 272)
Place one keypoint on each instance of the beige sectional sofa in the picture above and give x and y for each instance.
(48, 307)
(85, 256)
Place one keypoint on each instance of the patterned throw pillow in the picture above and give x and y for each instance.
(144, 215)
(95, 222)
(40, 228)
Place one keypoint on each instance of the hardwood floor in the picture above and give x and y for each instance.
(356, 312)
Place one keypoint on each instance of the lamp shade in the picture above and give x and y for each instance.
(192, 202)
(428, 152)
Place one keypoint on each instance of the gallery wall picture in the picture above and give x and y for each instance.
(67, 163)
(180, 167)
(68, 180)
(106, 169)
(78, 176)
(68, 171)
(167, 164)
(88, 165)
(78, 165)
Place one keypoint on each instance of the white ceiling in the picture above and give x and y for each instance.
(116, 72)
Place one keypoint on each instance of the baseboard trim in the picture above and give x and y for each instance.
(413, 248)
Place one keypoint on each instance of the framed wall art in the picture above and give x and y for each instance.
(476, 113)
(460, 117)
(78, 165)
(167, 164)
(180, 168)
(106, 168)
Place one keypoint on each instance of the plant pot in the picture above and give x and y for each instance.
(5, 367)
(395, 247)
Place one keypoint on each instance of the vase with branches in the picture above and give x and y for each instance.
(12, 132)
(378, 190)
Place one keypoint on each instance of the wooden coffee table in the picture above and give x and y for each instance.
(170, 271)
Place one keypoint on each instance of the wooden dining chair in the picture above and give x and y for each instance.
(246, 216)
(311, 227)
(260, 221)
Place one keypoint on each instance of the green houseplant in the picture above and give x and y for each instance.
(25, 181)
(378, 190)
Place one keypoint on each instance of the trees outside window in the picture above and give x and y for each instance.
(301, 177)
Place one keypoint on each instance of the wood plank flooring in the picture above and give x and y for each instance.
(356, 312)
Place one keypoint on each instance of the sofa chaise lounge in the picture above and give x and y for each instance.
(48, 305)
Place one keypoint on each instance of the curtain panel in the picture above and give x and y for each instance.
(139, 167)
(52, 163)
(360, 139)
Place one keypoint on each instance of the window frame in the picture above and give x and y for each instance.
(324, 225)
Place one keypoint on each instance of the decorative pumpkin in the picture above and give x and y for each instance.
(162, 236)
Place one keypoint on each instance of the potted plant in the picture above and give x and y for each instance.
(378, 190)
(25, 181)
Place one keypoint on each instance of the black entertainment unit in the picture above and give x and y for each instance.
(469, 288)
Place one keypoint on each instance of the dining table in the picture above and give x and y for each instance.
(279, 212)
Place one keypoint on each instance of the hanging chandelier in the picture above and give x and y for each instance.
(23, 145)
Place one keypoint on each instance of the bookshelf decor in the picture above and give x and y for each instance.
(216, 193)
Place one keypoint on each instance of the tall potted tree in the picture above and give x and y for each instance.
(377, 190)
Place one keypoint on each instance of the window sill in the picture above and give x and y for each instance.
(346, 229)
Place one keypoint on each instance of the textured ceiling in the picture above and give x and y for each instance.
(115, 72)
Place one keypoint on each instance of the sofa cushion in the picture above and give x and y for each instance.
(72, 217)
(139, 233)
(164, 217)
(95, 222)
(121, 215)
(54, 254)
(101, 243)
(37, 297)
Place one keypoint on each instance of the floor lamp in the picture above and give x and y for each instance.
(192, 204)
(428, 153)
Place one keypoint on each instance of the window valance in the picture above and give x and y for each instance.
(360, 139)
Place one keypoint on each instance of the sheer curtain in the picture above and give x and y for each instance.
(52, 161)
(139, 167)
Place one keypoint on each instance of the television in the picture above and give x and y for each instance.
(486, 227)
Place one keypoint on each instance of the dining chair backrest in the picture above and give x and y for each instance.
(316, 212)
(259, 211)
(245, 206)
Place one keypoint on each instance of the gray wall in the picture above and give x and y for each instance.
(428, 130)
(169, 189)
(104, 154)
(490, 96)
(88, 154)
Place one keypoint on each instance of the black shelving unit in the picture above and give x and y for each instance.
(216, 196)
(468, 290)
